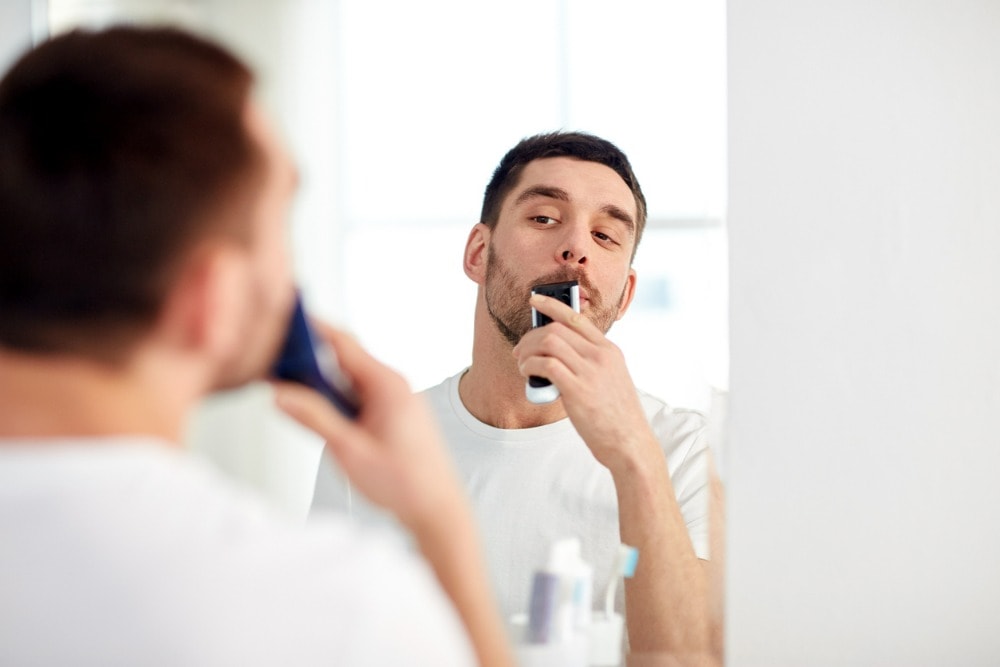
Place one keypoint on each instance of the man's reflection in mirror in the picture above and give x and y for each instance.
(605, 462)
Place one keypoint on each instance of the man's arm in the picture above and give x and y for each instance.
(668, 599)
(394, 454)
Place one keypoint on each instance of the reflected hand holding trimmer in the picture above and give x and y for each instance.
(539, 389)
(307, 359)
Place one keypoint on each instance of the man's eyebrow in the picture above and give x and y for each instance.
(548, 191)
(552, 192)
(618, 214)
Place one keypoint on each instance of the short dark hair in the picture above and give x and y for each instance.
(120, 150)
(579, 145)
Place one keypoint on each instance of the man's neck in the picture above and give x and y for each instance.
(493, 390)
(48, 396)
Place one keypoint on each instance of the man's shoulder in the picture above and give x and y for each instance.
(658, 409)
(115, 491)
(674, 426)
(206, 550)
(439, 396)
(443, 387)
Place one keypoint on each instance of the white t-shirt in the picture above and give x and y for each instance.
(531, 487)
(124, 551)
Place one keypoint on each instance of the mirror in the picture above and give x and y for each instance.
(398, 119)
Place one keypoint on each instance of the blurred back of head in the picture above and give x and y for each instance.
(121, 152)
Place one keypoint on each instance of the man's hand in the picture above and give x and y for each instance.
(667, 600)
(393, 452)
(593, 380)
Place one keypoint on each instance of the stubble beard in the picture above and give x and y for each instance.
(507, 300)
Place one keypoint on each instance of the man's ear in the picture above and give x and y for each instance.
(628, 294)
(204, 309)
(476, 252)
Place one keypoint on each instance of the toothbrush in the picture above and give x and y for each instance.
(625, 564)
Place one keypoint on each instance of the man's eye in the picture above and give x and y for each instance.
(543, 219)
(601, 236)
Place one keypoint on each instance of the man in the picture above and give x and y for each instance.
(143, 263)
(604, 462)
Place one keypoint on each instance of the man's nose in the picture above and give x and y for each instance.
(572, 250)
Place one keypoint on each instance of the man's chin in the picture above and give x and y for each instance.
(232, 383)
(236, 376)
